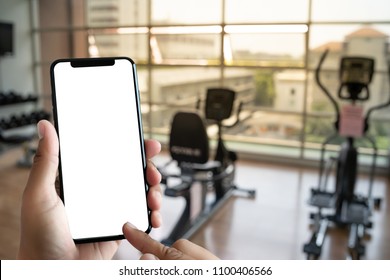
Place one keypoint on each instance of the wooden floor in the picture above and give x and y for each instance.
(274, 225)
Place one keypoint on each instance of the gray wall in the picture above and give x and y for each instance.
(16, 71)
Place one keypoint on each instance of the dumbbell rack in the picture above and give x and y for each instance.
(16, 122)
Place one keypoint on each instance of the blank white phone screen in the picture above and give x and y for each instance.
(100, 146)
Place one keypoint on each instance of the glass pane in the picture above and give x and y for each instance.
(319, 127)
(267, 132)
(351, 10)
(279, 90)
(273, 125)
(178, 88)
(201, 49)
(134, 46)
(379, 121)
(268, 97)
(360, 40)
(317, 101)
(244, 83)
(355, 41)
(116, 13)
(256, 11)
(143, 81)
(380, 128)
(186, 12)
(265, 49)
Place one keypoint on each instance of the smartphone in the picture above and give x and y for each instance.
(102, 169)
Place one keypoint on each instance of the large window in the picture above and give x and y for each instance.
(267, 51)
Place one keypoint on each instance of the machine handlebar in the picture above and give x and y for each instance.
(324, 89)
(379, 106)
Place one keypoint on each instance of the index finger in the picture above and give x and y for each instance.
(145, 244)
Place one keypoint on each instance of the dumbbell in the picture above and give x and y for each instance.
(12, 97)
(31, 97)
(36, 116)
(2, 98)
(43, 115)
(23, 120)
(13, 122)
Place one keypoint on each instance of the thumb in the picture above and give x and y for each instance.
(41, 182)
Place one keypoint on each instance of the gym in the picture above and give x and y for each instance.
(273, 116)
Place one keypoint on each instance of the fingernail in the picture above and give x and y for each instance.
(41, 130)
(148, 257)
(128, 224)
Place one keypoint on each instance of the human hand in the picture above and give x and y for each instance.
(151, 249)
(44, 228)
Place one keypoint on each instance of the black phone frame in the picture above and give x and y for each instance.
(96, 62)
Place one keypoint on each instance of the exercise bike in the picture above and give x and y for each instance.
(345, 208)
(199, 180)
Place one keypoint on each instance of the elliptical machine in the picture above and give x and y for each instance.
(345, 207)
(199, 180)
